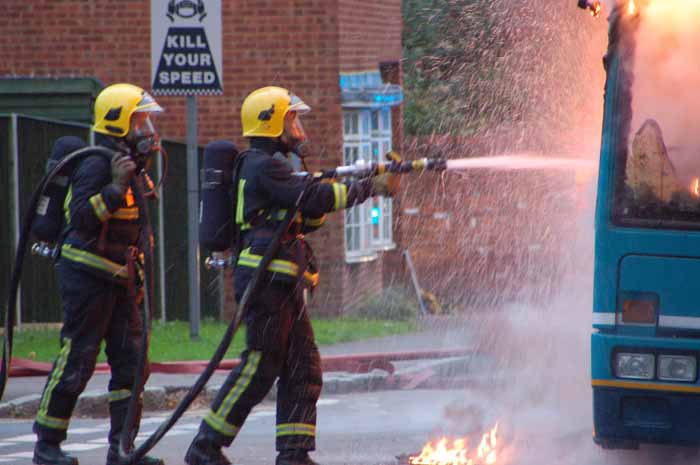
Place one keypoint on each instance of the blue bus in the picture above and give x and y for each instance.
(645, 341)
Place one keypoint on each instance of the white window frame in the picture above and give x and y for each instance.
(382, 137)
(362, 238)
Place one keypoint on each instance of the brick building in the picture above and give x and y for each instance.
(484, 237)
(341, 56)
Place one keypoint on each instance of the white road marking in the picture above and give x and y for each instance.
(187, 426)
(77, 447)
(327, 402)
(2, 444)
(85, 430)
(177, 432)
(23, 438)
(21, 455)
(102, 441)
(152, 420)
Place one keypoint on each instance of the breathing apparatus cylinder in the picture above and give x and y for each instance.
(216, 218)
(48, 225)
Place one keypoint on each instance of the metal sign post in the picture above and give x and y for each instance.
(186, 59)
(192, 223)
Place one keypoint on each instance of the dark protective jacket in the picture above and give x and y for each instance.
(101, 222)
(266, 187)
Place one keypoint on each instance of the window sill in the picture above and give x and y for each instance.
(384, 247)
(360, 257)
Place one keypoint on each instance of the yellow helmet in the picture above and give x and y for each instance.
(263, 111)
(115, 105)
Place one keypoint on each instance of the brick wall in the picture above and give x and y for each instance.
(370, 32)
(283, 42)
(483, 237)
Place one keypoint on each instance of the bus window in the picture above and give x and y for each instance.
(657, 167)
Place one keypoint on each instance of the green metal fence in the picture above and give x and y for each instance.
(25, 143)
(6, 211)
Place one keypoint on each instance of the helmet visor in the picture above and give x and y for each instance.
(297, 105)
(141, 125)
(148, 104)
(294, 128)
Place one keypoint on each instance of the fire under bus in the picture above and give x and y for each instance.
(645, 342)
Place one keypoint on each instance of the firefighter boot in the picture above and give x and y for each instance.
(113, 459)
(294, 457)
(49, 453)
(205, 451)
(117, 414)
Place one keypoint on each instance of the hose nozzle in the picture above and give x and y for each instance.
(374, 169)
(218, 261)
(429, 164)
(44, 249)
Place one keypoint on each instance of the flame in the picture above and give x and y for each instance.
(695, 187)
(594, 7)
(631, 8)
(672, 15)
(439, 453)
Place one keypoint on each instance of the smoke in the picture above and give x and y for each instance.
(667, 79)
(538, 381)
(540, 389)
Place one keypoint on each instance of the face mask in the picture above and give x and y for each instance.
(143, 138)
(294, 136)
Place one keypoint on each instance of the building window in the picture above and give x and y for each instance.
(368, 227)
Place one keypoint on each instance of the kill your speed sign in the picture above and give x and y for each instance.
(186, 47)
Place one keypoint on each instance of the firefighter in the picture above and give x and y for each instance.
(101, 243)
(280, 340)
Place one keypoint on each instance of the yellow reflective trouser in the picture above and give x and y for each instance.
(251, 260)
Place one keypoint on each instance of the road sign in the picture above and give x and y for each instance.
(186, 47)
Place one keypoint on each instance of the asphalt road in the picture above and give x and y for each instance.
(375, 428)
(364, 429)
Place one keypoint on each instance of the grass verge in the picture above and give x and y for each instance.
(171, 341)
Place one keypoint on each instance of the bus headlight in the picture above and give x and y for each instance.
(677, 367)
(634, 366)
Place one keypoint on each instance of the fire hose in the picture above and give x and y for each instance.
(130, 457)
(43, 249)
(218, 260)
(46, 250)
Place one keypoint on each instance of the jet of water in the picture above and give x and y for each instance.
(519, 162)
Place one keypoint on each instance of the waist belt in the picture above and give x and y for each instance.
(251, 260)
(110, 248)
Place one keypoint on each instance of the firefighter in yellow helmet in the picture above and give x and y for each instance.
(280, 340)
(102, 232)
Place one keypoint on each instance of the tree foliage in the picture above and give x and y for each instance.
(478, 65)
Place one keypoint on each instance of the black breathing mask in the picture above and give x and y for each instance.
(143, 142)
(302, 149)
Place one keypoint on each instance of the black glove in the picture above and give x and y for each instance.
(123, 169)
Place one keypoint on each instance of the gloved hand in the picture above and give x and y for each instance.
(123, 168)
(387, 184)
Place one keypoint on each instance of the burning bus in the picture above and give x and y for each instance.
(646, 305)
